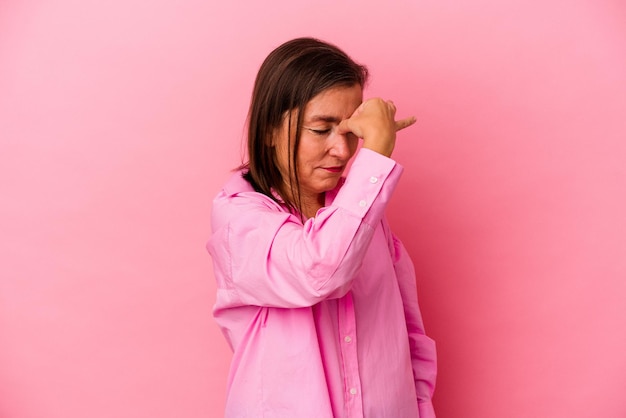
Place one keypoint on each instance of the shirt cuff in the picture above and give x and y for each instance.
(369, 185)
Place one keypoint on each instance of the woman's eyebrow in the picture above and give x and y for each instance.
(323, 118)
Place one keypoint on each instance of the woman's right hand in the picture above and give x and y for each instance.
(374, 121)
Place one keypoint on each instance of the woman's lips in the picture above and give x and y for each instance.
(333, 169)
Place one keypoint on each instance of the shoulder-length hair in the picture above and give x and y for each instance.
(291, 75)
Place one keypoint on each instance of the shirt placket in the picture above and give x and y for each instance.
(353, 399)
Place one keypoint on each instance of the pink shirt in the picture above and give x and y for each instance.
(323, 317)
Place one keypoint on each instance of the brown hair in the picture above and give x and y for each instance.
(291, 75)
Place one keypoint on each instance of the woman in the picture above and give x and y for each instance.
(315, 296)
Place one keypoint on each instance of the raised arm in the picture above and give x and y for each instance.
(266, 257)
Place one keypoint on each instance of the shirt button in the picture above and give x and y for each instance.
(352, 391)
(362, 203)
(347, 339)
(373, 180)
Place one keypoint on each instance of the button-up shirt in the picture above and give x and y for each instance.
(322, 317)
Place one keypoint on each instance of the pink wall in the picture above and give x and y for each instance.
(119, 121)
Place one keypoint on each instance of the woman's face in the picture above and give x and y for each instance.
(323, 152)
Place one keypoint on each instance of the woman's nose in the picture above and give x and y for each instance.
(340, 146)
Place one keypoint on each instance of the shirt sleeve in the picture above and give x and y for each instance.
(264, 256)
(423, 350)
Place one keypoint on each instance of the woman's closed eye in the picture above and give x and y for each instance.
(319, 131)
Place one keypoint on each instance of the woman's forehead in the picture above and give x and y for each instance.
(334, 104)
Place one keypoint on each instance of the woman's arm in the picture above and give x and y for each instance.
(266, 257)
(423, 350)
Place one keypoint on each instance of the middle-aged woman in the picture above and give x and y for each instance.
(316, 297)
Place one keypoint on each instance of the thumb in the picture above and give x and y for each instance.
(344, 126)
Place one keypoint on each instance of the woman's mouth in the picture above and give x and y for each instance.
(333, 169)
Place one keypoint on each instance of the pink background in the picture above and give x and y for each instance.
(120, 120)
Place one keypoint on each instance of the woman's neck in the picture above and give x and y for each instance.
(311, 204)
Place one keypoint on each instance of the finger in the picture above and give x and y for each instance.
(405, 123)
(344, 127)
